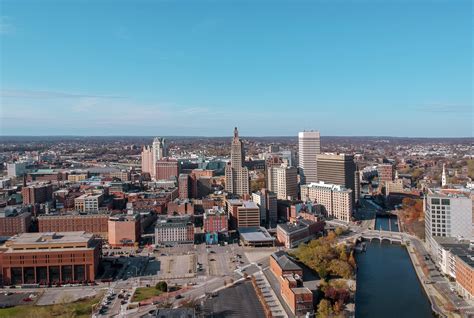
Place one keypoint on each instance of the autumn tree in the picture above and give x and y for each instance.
(324, 309)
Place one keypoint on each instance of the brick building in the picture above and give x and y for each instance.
(49, 258)
(166, 169)
(14, 222)
(124, 230)
(40, 193)
(174, 230)
(300, 231)
(90, 223)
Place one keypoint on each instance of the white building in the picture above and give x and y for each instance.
(16, 169)
(336, 200)
(448, 213)
(283, 181)
(309, 145)
(89, 203)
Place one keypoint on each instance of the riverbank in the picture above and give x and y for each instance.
(387, 282)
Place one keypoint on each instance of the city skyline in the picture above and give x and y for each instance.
(172, 69)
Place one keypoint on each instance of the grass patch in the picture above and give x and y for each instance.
(144, 293)
(77, 309)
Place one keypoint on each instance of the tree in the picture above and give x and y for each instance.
(324, 309)
(339, 230)
(162, 286)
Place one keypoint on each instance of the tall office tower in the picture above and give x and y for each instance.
(283, 181)
(309, 145)
(267, 203)
(147, 161)
(159, 149)
(236, 175)
(448, 213)
(356, 185)
(337, 169)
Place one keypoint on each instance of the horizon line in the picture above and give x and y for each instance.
(249, 136)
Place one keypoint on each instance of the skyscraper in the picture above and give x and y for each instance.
(337, 169)
(147, 161)
(160, 149)
(283, 180)
(236, 175)
(309, 145)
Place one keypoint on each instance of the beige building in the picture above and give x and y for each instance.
(395, 186)
(283, 181)
(236, 175)
(88, 202)
(336, 200)
(77, 177)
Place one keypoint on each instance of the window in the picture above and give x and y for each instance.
(434, 201)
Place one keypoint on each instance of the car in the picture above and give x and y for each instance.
(123, 302)
(27, 299)
(178, 296)
(212, 252)
(212, 260)
(7, 293)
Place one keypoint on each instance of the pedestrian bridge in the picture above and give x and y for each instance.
(391, 237)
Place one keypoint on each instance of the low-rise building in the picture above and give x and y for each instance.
(174, 230)
(14, 221)
(465, 275)
(300, 231)
(50, 258)
(88, 202)
(298, 298)
(243, 214)
(90, 223)
(124, 229)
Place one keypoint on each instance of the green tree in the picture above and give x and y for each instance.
(162, 286)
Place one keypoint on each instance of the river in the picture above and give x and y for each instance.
(387, 285)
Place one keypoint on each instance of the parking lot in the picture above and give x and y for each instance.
(10, 299)
(174, 266)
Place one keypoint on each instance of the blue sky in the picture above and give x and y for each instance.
(368, 67)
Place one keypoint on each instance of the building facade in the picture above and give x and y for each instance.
(89, 223)
(166, 169)
(14, 222)
(174, 230)
(124, 230)
(283, 180)
(335, 200)
(50, 258)
(337, 169)
(236, 175)
(37, 194)
(309, 145)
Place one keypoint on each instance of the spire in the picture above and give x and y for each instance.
(236, 133)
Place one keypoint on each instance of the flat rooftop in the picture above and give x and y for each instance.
(255, 234)
(50, 237)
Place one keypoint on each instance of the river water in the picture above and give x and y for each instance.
(387, 285)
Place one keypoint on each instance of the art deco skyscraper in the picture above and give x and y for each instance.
(159, 152)
(236, 175)
(309, 145)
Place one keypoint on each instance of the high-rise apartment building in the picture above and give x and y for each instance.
(267, 203)
(283, 180)
(236, 175)
(147, 161)
(448, 213)
(335, 200)
(337, 169)
(309, 145)
(40, 193)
